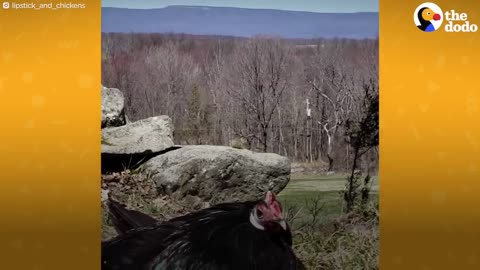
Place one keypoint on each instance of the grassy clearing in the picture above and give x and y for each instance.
(326, 190)
(321, 183)
(324, 237)
(329, 201)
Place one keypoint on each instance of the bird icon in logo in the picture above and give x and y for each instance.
(425, 15)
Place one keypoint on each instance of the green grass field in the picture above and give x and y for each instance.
(302, 190)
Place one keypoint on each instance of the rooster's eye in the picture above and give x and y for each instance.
(259, 214)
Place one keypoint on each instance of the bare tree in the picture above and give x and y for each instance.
(260, 76)
(335, 92)
(213, 65)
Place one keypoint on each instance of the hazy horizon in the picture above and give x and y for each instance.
(328, 6)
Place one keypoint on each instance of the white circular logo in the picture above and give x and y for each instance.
(428, 17)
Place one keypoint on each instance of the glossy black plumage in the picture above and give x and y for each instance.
(124, 219)
(217, 238)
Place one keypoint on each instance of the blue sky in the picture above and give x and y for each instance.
(300, 5)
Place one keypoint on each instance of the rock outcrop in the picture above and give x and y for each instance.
(113, 108)
(151, 135)
(217, 174)
(126, 147)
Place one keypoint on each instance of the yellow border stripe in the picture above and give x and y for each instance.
(50, 141)
(430, 141)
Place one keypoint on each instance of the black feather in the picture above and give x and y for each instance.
(124, 219)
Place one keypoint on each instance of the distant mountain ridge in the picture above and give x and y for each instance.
(241, 22)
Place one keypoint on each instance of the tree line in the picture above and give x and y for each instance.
(297, 98)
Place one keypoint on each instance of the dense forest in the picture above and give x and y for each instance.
(296, 98)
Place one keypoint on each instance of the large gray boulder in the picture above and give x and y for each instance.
(217, 173)
(113, 107)
(146, 136)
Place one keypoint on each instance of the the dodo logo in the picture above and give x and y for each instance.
(428, 17)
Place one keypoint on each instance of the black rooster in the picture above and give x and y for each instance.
(228, 236)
